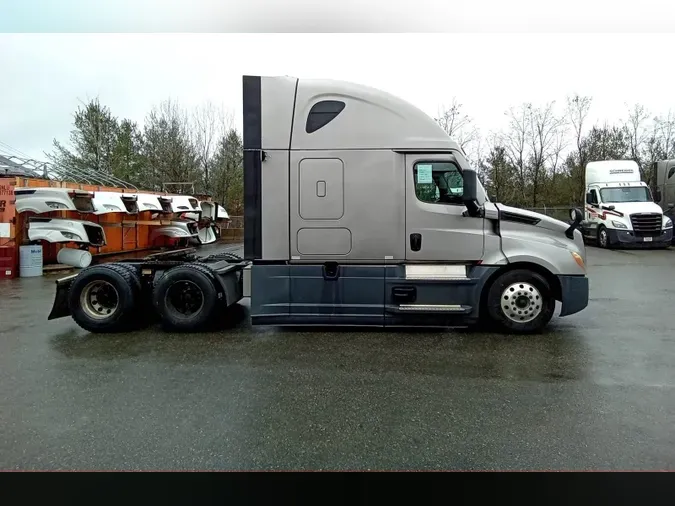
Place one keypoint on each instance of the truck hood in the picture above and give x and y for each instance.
(530, 217)
(636, 207)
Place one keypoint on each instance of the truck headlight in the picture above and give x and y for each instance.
(669, 223)
(618, 224)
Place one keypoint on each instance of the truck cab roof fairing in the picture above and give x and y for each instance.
(341, 115)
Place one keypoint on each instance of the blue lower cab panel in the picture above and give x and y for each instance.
(270, 291)
(575, 291)
(430, 302)
(317, 295)
(362, 295)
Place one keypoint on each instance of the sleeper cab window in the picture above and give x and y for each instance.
(323, 113)
(438, 182)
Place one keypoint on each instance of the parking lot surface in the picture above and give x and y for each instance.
(595, 392)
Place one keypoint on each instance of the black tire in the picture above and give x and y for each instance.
(102, 289)
(133, 270)
(603, 238)
(504, 311)
(192, 280)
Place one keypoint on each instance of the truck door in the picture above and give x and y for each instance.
(435, 228)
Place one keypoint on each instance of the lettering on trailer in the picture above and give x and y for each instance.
(621, 171)
(603, 215)
(6, 201)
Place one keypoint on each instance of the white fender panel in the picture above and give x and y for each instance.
(207, 235)
(57, 230)
(176, 230)
(44, 200)
(113, 202)
(149, 202)
(184, 204)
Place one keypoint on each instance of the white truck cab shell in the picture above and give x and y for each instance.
(154, 203)
(59, 230)
(114, 202)
(620, 210)
(44, 200)
(210, 212)
(221, 213)
(184, 204)
(177, 229)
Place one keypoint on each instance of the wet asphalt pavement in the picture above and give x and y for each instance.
(596, 392)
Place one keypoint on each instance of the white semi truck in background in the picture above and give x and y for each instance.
(359, 210)
(620, 209)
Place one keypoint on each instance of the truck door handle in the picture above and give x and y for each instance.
(402, 294)
(415, 242)
(331, 271)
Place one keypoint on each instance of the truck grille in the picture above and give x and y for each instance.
(646, 224)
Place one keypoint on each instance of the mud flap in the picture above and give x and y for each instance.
(60, 306)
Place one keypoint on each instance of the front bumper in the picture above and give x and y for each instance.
(619, 237)
(574, 293)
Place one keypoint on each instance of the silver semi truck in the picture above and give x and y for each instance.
(360, 211)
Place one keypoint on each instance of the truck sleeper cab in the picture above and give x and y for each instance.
(357, 213)
(359, 210)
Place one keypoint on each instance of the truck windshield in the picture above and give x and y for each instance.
(626, 194)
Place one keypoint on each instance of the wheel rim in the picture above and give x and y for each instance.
(99, 299)
(603, 238)
(185, 297)
(521, 302)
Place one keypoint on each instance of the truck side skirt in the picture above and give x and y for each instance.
(364, 295)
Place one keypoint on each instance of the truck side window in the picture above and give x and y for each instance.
(323, 113)
(438, 183)
(671, 172)
(594, 196)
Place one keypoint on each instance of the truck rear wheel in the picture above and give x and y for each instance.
(520, 301)
(103, 298)
(186, 297)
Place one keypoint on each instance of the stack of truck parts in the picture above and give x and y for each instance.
(97, 219)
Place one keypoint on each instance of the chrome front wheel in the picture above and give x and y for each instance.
(521, 302)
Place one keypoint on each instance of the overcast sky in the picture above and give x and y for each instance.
(45, 75)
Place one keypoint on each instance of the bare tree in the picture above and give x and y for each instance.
(578, 108)
(459, 127)
(205, 134)
(665, 133)
(543, 125)
(515, 143)
(210, 124)
(556, 155)
(638, 135)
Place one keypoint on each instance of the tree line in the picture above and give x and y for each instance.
(537, 160)
(200, 147)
